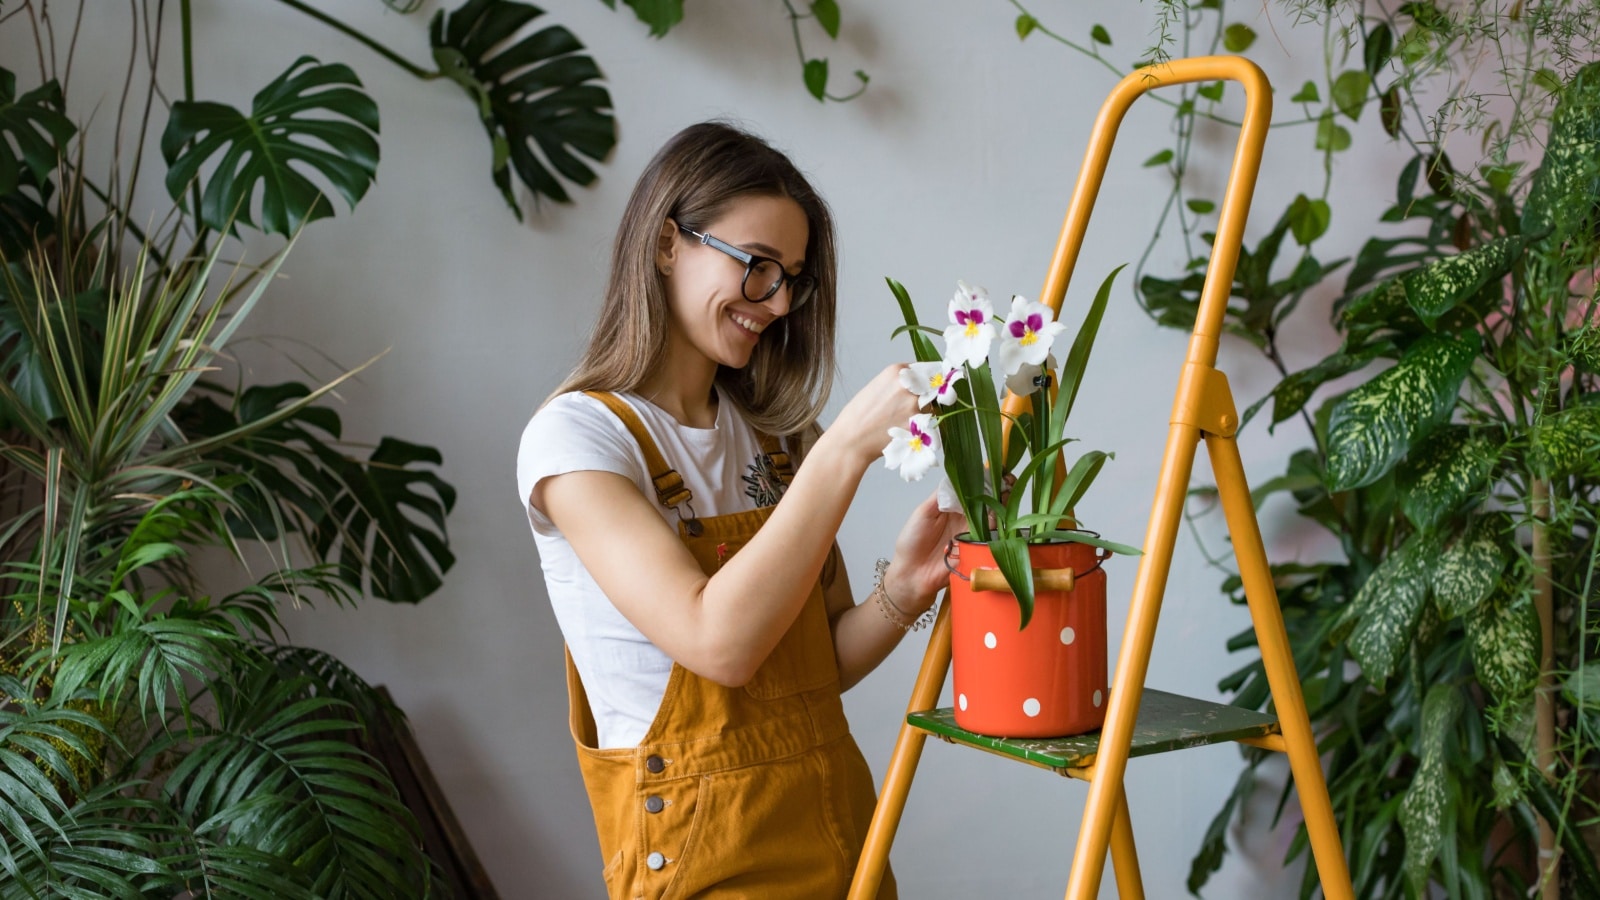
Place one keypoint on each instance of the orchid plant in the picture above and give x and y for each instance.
(1012, 491)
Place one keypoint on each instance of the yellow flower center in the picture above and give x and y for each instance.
(916, 443)
(937, 381)
(1030, 338)
(972, 329)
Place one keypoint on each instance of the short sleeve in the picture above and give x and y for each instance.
(572, 433)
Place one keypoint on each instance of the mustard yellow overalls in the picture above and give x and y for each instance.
(752, 792)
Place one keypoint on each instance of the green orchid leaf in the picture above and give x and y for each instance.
(920, 345)
(1449, 469)
(1503, 634)
(313, 116)
(1568, 442)
(1388, 608)
(1566, 188)
(1440, 286)
(1073, 536)
(536, 96)
(1350, 91)
(1469, 569)
(1011, 557)
(1375, 426)
(34, 132)
(1078, 356)
(1041, 458)
(1078, 480)
(1423, 811)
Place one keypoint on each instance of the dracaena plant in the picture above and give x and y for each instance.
(1006, 471)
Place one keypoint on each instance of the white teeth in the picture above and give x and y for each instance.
(753, 326)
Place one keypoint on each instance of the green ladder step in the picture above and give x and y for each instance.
(1166, 722)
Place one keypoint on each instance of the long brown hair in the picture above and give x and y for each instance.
(692, 180)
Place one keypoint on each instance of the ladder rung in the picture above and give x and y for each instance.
(1166, 722)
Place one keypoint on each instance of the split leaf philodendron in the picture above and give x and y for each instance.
(1012, 493)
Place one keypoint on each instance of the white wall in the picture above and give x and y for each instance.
(956, 164)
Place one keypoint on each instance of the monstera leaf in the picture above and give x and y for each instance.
(535, 96)
(33, 131)
(267, 147)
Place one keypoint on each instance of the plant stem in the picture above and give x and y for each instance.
(1544, 698)
(374, 46)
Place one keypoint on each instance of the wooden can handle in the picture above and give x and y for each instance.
(1043, 580)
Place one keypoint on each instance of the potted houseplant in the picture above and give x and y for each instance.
(1027, 591)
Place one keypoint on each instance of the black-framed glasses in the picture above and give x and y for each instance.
(762, 275)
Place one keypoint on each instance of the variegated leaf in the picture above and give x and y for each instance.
(1422, 812)
(1468, 570)
(1445, 471)
(1503, 633)
(1507, 790)
(1568, 442)
(1374, 426)
(1442, 285)
(1389, 606)
(1377, 306)
(1567, 184)
(1582, 686)
(1291, 394)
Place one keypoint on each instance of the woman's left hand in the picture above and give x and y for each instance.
(918, 571)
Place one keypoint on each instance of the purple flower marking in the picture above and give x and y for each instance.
(1034, 323)
(966, 316)
(920, 437)
(947, 383)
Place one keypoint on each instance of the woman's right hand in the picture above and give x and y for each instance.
(865, 421)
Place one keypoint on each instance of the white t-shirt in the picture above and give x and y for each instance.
(724, 468)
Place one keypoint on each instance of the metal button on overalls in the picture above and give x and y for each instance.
(655, 861)
(655, 765)
(654, 804)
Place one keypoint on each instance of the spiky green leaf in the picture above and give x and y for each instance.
(1376, 425)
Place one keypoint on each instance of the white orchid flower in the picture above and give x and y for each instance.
(914, 450)
(972, 326)
(1027, 335)
(932, 381)
(1022, 382)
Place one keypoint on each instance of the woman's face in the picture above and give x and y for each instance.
(709, 314)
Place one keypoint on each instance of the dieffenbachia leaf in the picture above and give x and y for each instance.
(1566, 443)
(1582, 687)
(1388, 606)
(270, 146)
(1374, 426)
(537, 93)
(1422, 812)
(1564, 190)
(1503, 633)
(33, 131)
(1292, 393)
(1441, 286)
(1442, 473)
(1468, 570)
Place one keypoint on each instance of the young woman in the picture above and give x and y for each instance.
(690, 556)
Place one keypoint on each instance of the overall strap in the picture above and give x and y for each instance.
(670, 489)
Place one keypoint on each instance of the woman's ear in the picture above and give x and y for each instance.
(666, 246)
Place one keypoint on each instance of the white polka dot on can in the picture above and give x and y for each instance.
(961, 701)
(989, 640)
(1031, 707)
(1098, 699)
(1068, 635)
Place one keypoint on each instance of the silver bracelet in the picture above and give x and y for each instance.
(891, 610)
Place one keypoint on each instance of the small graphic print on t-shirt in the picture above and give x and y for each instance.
(761, 482)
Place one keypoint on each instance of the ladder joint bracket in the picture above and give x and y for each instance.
(1205, 401)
